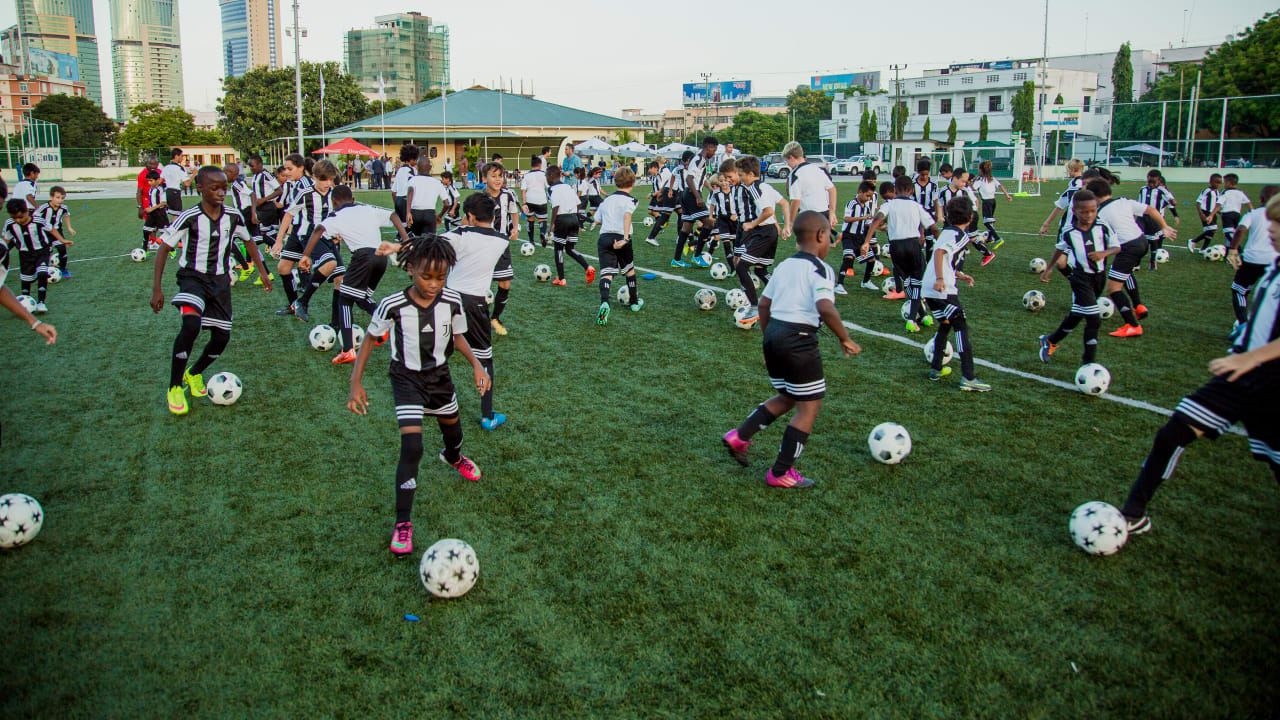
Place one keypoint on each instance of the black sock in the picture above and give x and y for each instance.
(182, 348)
(335, 310)
(682, 238)
(1170, 441)
(1240, 302)
(1121, 301)
(238, 254)
(744, 279)
(407, 474)
(451, 433)
(500, 302)
(703, 235)
(846, 264)
(1091, 325)
(42, 287)
(762, 273)
(366, 304)
(26, 287)
(559, 253)
(344, 319)
(606, 282)
(317, 279)
(759, 419)
(1068, 324)
(218, 339)
(62, 257)
(290, 293)
(792, 445)
(1131, 286)
(486, 400)
(634, 288)
(542, 232)
(869, 266)
(571, 251)
(146, 240)
(656, 227)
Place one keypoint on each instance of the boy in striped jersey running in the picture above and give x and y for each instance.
(56, 215)
(1089, 243)
(204, 282)
(33, 238)
(854, 243)
(1154, 194)
(1062, 206)
(1208, 205)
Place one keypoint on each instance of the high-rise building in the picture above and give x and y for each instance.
(250, 35)
(146, 57)
(406, 50)
(56, 38)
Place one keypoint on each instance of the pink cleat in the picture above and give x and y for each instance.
(789, 479)
(464, 467)
(402, 539)
(737, 446)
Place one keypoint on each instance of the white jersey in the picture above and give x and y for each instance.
(427, 192)
(810, 184)
(533, 187)
(25, 189)
(478, 250)
(1233, 200)
(613, 211)
(950, 241)
(173, 176)
(564, 198)
(904, 218)
(1258, 248)
(359, 226)
(1119, 214)
(400, 181)
(795, 288)
(986, 187)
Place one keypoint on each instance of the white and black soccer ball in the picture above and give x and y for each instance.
(1106, 307)
(1038, 265)
(488, 297)
(705, 299)
(736, 298)
(948, 352)
(888, 285)
(54, 275)
(1033, 300)
(357, 336)
(137, 255)
(527, 248)
(719, 271)
(20, 520)
(542, 272)
(755, 280)
(1093, 379)
(739, 317)
(878, 269)
(1162, 255)
(889, 443)
(624, 294)
(322, 337)
(707, 257)
(1215, 253)
(884, 250)
(449, 568)
(1098, 528)
(906, 310)
(224, 388)
(27, 302)
(648, 222)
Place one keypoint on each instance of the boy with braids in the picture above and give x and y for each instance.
(426, 322)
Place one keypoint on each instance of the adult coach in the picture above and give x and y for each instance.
(144, 185)
(808, 187)
(570, 163)
(174, 176)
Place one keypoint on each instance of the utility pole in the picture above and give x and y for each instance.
(706, 110)
(297, 71)
(897, 104)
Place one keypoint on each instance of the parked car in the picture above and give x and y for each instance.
(826, 162)
(1237, 163)
(857, 164)
(778, 169)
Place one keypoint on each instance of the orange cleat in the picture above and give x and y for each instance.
(559, 282)
(591, 274)
(1141, 311)
(344, 357)
(378, 340)
(1127, 331)
(895, 295)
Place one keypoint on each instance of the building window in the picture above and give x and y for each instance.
(995, 103)
(944, 106)
(25, 101)
(993, 79)
(844, 109)
(971, 104)
(862, 107)
(944, 81)
(919, 83)
(1041, 104)
(1019, 76)
(924, 108)
(216, 159)
(1086, 103)
(966, 80)
(843, 132)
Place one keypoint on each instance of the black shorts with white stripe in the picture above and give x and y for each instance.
(502, 270)
(725, 229)
(209, 295)
(1250, 399)
(538, 211)
(33, 264)
(326, 251)
(478, 334)
(988, 210)
(366, 271)
(565, 229)
(1230, 220)
(1150, 228)
(1086, 288)
(614, 262)
(173, 202)
(760, 245)
(663, 201)
(1128, 258)
(418, 393)
(851, 243)
(293, 248)
(155, 221)
(690, 209)
(793, 361)
(943, 309)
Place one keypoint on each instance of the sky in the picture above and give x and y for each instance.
(605, 56)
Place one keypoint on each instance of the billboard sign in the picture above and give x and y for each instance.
(721, 91)
(990, 65)
(1062, 117)
(868, 81)
(53, 64)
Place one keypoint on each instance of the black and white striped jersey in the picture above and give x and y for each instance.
(53, 217)
(1263, 325)
(309, 209)
(866, 210)
(696, 173)
(949, 193)
(206, 241)
(755, 198)
(240, 195)
(32, 237)
(926, 194)
(155, 196)
(1064, 201)
(506, 213)
(678, 179)
(263, 184)
(1208, 200)
(421, 336)
(735, 200)
(1157, 197)
(1077, 244)
(662, 181)
(720, 203)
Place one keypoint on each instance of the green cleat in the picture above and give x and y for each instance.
(602, 317)
(195, 383)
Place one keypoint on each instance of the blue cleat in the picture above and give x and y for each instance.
(493, 422)
(679, 264)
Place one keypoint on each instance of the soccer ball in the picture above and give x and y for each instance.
(488, 297)
(1098, 528)
(755, 280)
(739, 314)
(624, 294)
(1033, 300)
(224, 388)
(648, 221)
(27, 302)
(719, 271)
(542, 273)
(705, 299)
(357, 336)
(707, 257)
(736, 298)
(137, 255)
(888, 286)
(527, 249)
(1093, 379)
(906, 310)
(884, 250)
(889, 443)
(20, 520)
(1214, 253)
(1107, 307)
(878, 269)
(54, 275)
(1038, 265)
(947, 352)
(322, 337)
(449, 568)
(233, 277)
(1162, 255)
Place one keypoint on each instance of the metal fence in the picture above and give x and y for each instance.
(12, 157)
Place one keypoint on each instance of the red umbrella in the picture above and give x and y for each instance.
(347, 146)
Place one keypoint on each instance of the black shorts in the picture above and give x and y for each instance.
(907, 257)
(791, 356)
(538, 211)
(725, 229)
(423, 221)
(478, 331)
(1130, 255)
(173, 202)
(502, 269)
(32, 264)
(400, 203)
(268, 214)
(988, 210)
(1086, 288)
(155, 221)
(690, 208)
(614, 262)
(209, 295)
(851, 243)
(760, 245)
(1230, 220)
(293, 248)
(944, 309)
(1251, 400)
(593, 201)
(662, 201)
(417, 393)
(1248, 274)
(1150, 228)
(364, 274)
(566, 229)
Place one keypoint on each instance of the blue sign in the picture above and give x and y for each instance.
(53, 64)
(722, 91)
(868, 81)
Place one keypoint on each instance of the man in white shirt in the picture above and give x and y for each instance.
(808, 186)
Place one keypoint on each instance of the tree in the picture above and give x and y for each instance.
(81, 124)
(376, 107)
(928, 127)
(154, 126)
(1122, 75)
(809, 107)
(756, 133)
(984, 126)
(951, 132)
(864, 127)
(1023, 104)
(259, 105)
(653, 137)
(1058, 100)
(873, 127)
(428, 95)
(898, 120)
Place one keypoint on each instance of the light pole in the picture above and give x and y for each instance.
(297, 71)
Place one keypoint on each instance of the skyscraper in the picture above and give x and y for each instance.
(250, 35)
(410, 54)
(53, 32)
(145, 55)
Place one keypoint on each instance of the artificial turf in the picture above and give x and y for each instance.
(233, 562)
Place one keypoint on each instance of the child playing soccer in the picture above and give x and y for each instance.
(1118, 214)
(728, 225)
(26, 189)
(424, 193)
(987, 185)
(1062, 207)
(617, 254)
(56, 215)
(1233, 202)
(506, 222)
(1155, 194)
(693, 209)
(206, 232)
(959, 187)
(1251, 255)
(858, 214)
(33, 238)
(794, 306)
(309, 207)
(943, 295)
(906, 219)
(1245, 389)
(564, 226)
(426, 322)
(400, 181)
(1088, 243)
(662, 201)
(759, 231)
(157, 215)
(451, 203)
(1208, 205)
(533, 198)
(241, 196)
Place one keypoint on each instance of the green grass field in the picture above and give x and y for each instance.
(233, 562)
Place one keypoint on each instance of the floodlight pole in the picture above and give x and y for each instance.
(297, 71)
